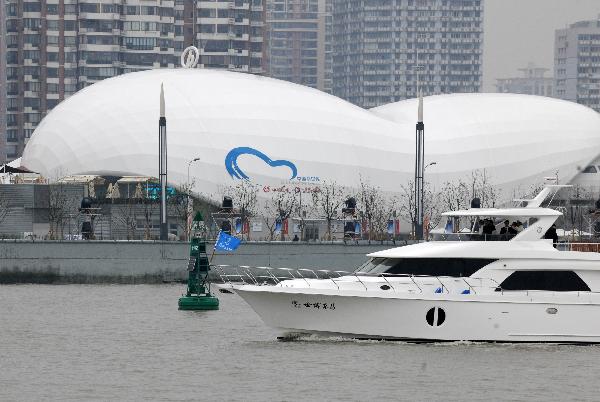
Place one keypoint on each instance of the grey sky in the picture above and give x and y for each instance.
(520, 31)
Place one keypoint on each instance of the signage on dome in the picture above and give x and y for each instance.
(232, 167)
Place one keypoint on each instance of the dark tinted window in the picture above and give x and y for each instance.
(590, 169)
(558, 281)
(425, 266)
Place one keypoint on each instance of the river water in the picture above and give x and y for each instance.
(76, 342)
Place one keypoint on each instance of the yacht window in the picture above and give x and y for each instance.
(425, 266)
(376, 266)
(590, 169)
(558, 281)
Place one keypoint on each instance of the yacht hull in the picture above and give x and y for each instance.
(571, 318)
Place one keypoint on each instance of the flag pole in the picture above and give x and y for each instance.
(214, 249)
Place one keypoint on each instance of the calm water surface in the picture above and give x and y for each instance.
(75, 342)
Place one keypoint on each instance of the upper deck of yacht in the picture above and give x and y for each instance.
(505, 212)
(536, 219)
(540, 249)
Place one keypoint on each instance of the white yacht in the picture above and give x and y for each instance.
(518, 290)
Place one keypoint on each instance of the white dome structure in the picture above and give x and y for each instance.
(517, 139)
(274, 132)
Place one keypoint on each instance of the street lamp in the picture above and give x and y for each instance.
(188, 172)
(190, 208)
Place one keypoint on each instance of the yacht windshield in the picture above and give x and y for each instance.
(458, 267)
(376, 266)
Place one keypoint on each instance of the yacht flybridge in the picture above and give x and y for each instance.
(518, 290)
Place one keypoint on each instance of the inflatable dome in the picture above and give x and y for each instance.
(273, 132)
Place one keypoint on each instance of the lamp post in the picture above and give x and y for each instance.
(419, 171)
(190, 202)
(162, 167)
(188, 172)
(429, 164)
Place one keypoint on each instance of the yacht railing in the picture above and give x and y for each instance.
(417, 284)
(584, 247)
(471, 237)
(241, 275)
(244, 274)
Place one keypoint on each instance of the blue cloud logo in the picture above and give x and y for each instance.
(235, 172)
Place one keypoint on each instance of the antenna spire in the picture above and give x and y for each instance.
(420, 119)
(162, 101)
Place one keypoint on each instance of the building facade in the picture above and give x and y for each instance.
(2, 83)
(577, 63)
(56, 47)
(299, 42)
(383, 50)
(532, 82)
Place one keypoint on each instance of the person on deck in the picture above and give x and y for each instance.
(488, 229)
(512, 230)
(519, 226)
(504, 230)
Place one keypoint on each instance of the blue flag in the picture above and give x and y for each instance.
(449, 227)
(227, 243)
(390, 227)
(278, 226)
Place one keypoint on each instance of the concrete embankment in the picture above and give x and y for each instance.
(157, 262)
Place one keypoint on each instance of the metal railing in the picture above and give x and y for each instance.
(267, 276)
(245, 274)
(584, 247)
(262, 276)
(471, 237)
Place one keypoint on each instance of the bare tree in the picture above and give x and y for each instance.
(149, 207)
(270, 215)
(286, 203)
(578, 210)
(180, 206)
(405, 205)
(375, 209)
(126, 216)
(482, 188)
(245, 200)
(4, 206)
(58, 201)
(279, 207)
(327, 202)
(455, 195)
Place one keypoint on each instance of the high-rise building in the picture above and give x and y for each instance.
(532, 82)
(229, 33)
(299, 41)
(577, 63)
(56, 47)
(384, 50)
(2, 83)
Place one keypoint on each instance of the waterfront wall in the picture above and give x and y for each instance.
(156, 262)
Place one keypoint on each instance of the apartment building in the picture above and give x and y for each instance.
(299, 42)
(533, 81)
(2, 83)
(577, 63)
(383, 50)
(56, 47)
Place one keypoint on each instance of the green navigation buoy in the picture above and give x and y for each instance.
(198, 296)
